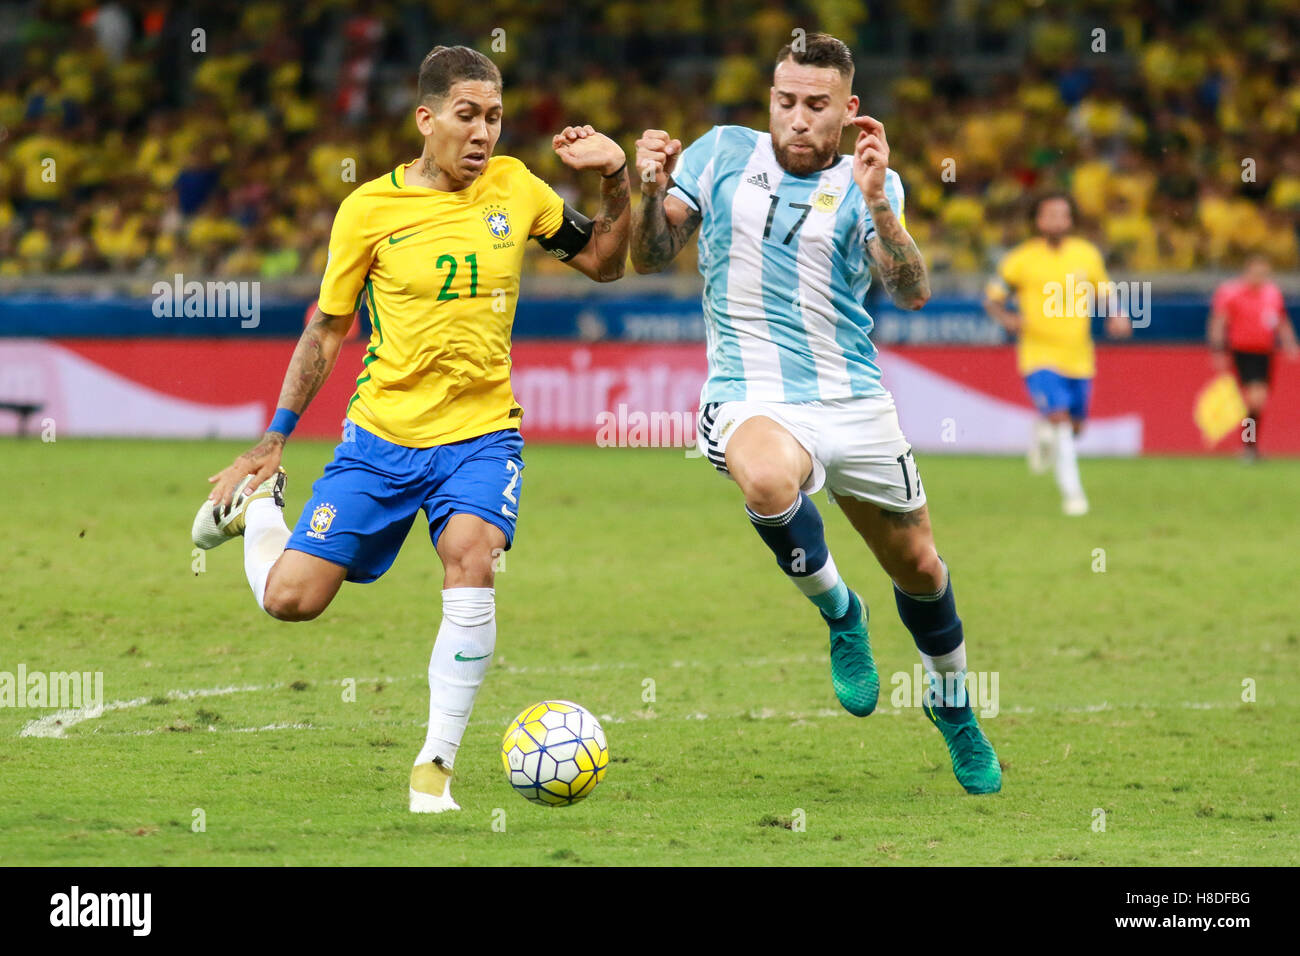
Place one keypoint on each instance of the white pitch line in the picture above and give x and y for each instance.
(258, 730)
(56, 725)
(210, 729)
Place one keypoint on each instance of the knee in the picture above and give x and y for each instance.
(768, 488)
(919, 570)
(291, 603)
(470, 564)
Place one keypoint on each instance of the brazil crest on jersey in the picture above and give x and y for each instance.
(785, 274)
(440, 271)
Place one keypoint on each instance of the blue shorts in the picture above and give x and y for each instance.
(361, 509)
(1053, 392)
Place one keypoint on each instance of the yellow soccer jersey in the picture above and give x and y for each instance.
(441, 273)
(1048, 285)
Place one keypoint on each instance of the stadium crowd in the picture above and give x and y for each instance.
(155, 137)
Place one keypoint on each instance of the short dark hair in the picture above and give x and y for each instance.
(819, 49)
(446, 65)
(1041, 198)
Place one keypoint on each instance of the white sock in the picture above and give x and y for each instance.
(461, 656)
(265, 535)
(1045, 436)
(1067, 465)
(947, 675)
(820, 581)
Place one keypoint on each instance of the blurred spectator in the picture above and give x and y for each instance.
(124, 148)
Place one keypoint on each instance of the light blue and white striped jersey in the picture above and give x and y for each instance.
(784, 271)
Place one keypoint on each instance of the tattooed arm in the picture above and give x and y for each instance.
(897, 260)
(313, 360)
(662, 224)
(891, 250)
(604, 257)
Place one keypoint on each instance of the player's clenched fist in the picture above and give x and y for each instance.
(870, 157)
(656, 157)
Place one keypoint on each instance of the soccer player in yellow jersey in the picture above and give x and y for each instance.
(1058, 281)
(436, 247)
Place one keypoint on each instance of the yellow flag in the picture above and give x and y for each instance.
(1219, 409)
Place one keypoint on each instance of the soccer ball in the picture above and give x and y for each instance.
(554, 753)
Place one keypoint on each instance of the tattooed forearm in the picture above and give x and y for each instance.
(313, 360)
(655, 240)
(613, 202)
(610, 228)
(897, 259)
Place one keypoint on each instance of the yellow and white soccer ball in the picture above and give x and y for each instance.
(555, 753)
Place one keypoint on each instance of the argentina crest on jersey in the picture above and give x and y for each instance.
(827, 198)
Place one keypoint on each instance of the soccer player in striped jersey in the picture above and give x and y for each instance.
(1054, 334)
(436, 247)
(793, 401)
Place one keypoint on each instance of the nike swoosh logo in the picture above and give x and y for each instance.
(394, 240)
(460, 657)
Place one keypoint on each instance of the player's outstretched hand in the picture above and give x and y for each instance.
(581, 147)
(260, 461)
(656, 158)
(870, 157)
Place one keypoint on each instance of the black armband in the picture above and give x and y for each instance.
(572, 236)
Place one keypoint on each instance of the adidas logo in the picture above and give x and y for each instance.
(759, 180)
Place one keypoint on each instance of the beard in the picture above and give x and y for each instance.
(801, 164)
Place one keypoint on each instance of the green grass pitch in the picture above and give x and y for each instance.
(635, 575)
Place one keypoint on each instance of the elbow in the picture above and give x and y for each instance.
(914, 301)
(643, 266)
(611, 272)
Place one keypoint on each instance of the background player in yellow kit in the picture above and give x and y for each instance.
(1054, 350)
(436, 247)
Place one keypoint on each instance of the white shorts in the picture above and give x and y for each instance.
(856, 447)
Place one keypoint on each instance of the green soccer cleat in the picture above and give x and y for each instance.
(853, 672)
(973, 761)
(213, 527)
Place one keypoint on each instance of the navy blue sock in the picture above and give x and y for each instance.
(936, 629)
(797, 537)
